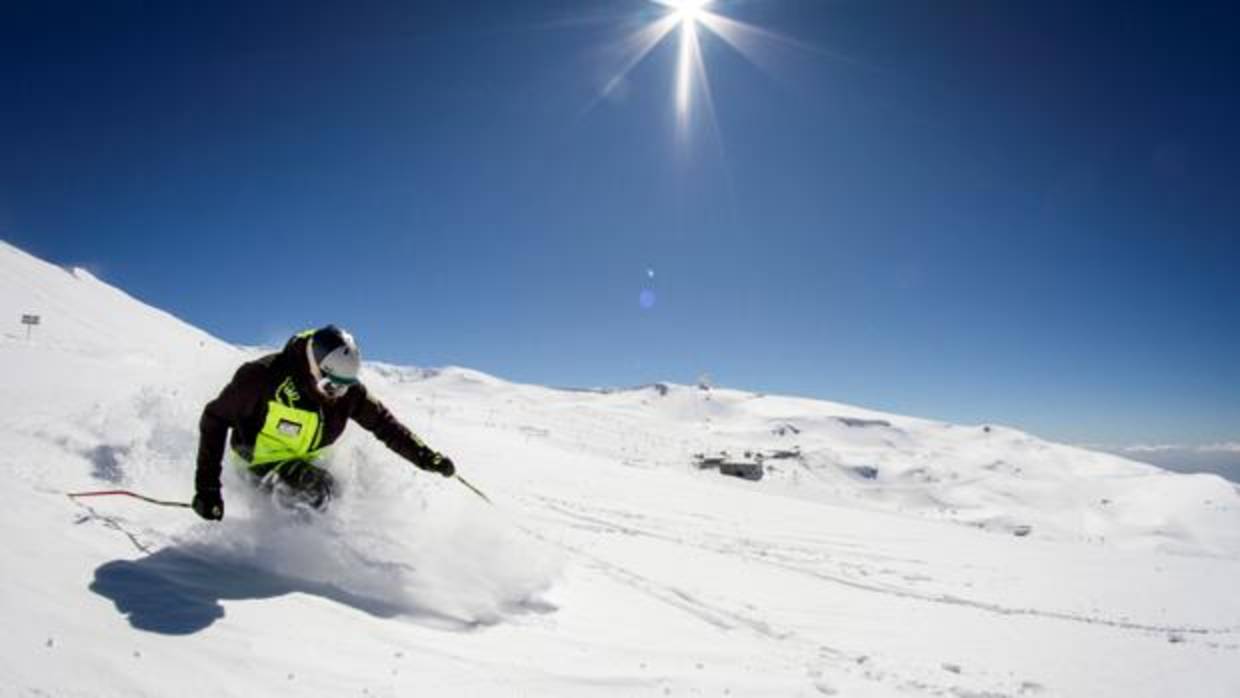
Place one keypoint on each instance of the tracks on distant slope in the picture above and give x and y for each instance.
(772, 559)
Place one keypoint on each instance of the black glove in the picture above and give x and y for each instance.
(441, 464)
(209, 505)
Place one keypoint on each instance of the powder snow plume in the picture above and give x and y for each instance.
(384, 542)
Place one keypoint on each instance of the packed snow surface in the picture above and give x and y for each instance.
(877, 555)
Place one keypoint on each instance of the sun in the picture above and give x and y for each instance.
(688, 11)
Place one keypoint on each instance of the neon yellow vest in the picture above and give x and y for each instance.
(288, 433)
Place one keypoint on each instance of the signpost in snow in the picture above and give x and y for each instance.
(29, 321)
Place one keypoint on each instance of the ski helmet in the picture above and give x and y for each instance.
(334, 360)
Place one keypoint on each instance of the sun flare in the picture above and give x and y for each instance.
(694, 19)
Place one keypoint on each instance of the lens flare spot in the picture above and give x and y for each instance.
(646, 299)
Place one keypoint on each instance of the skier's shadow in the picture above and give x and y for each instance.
(172, 592)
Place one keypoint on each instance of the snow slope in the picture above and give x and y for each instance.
(887, 556)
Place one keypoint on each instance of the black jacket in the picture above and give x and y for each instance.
(242, 407)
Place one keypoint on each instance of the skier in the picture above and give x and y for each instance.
(284, 409)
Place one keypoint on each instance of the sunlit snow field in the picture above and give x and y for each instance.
(881, 556)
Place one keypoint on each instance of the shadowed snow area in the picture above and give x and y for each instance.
(861, 553)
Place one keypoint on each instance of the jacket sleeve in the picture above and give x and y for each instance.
(221, 414)
(375, 418)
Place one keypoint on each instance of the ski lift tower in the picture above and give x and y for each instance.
(29, 321)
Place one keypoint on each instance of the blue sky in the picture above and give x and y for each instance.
(1010, 212)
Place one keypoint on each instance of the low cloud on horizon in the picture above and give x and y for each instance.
(1219, 458)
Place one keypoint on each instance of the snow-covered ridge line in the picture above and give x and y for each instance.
(79, 311)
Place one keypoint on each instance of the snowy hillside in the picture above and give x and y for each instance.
(873, 555)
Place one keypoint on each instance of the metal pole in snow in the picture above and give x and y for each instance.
(473, 489)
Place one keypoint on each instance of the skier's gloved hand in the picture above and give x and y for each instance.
(209, 505)
(441, 464)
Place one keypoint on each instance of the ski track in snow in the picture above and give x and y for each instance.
(724, 619)
(596, 521)
(762, 553)
(112, 523)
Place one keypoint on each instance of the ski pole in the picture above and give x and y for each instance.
(127, 493)
(473, 489)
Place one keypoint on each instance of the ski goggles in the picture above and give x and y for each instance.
(335, 386)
